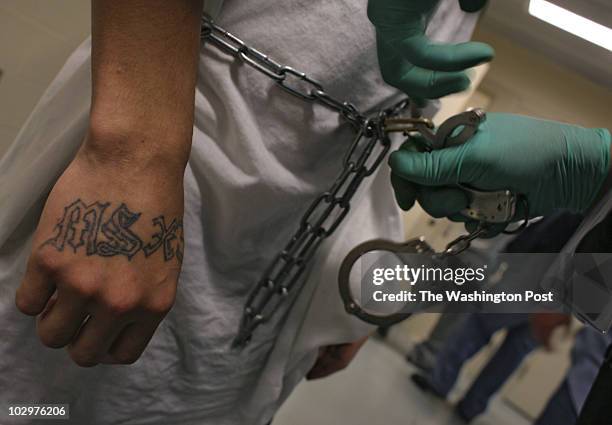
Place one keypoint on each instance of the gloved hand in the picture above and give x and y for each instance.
(554, 165)
(410, 61)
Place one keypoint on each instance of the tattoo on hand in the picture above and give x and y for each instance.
(92, 229)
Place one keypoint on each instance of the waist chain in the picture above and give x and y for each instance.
(369, 147)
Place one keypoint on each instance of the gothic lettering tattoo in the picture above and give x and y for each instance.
(169, 237)
(96, 229)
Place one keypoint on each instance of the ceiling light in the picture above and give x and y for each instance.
(572, 23)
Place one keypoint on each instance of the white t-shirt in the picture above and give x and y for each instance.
(259, 157)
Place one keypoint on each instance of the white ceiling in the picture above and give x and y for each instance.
(511, 18)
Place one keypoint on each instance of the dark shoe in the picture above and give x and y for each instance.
(462, 415)
(421, 382)
(421, 357)
(424, 385)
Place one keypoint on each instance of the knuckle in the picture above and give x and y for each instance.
(120, 304)
(160, 306)
(46, 261)
(85, 288)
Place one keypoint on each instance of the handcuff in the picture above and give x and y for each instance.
(486, 207)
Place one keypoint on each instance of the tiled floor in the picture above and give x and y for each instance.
(375, 390)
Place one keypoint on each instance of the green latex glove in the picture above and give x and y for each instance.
(410, 61)
(554, 165)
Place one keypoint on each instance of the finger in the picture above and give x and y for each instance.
(436, 168)
(442, 201)
(422, 83)
(326, 365)
(415, 81)
(316, 373)
(394, 13)
(432, 84)
(472, 6)
(405, 192)
(59, 324)
(458, 218)
(319, 367)
(419, 102)
(94, 339)
(34, 291)
(420, 51)
(131, 343)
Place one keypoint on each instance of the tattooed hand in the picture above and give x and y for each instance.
(105, 260)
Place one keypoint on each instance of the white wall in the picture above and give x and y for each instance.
(36, 37)
(520, 81)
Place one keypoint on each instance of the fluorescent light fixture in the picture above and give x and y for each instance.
(572, 23)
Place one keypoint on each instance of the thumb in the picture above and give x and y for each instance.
(442, 201)
(435, 168)
(420, 51)
(472, 6)
(405, 192)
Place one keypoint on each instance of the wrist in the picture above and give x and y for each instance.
(593, 174)
(124, 143)
(606, 169)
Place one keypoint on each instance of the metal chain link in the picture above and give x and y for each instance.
(295, 82)
(370, 146)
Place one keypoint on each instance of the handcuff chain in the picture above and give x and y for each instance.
(367, 151)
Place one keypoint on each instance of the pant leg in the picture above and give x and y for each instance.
(473, 334)
(560, 409)
(448, 323)
(424, 354)
(518, 343)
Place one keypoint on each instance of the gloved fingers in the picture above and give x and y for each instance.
(428, 84)
(436, 168)
(420, 51)
(390, 14)
(405, 192)
(472, 6)
(419, 101)
(440, 202)
(415, 81)
(458, 218)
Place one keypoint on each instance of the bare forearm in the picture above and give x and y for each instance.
(144, 70)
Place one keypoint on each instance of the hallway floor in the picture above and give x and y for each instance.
(376, 389)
